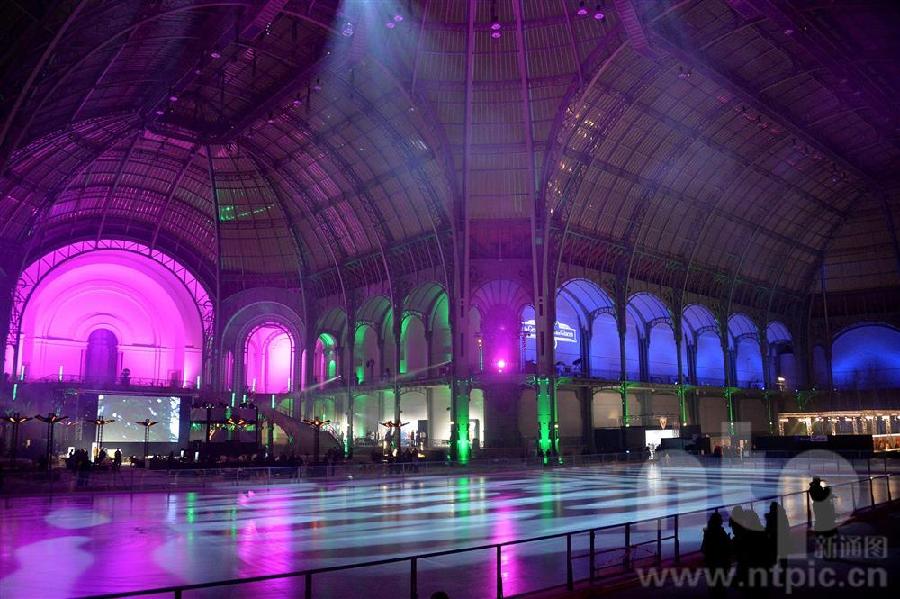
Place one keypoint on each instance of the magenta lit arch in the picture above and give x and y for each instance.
(36, 272)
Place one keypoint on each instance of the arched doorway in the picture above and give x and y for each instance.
(101, 356)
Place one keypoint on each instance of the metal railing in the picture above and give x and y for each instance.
(630, 549)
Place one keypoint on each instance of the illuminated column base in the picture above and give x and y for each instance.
(548, 426)
(460, 443)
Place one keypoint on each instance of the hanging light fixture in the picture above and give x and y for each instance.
(215, 54)
(347, 29)
(598, 13)
(297, 101)
(582, 9)
(318, 85)
(495, 22)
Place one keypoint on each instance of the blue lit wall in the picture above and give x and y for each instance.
(867, 356)
(632, 349)
(710, 361)
(748, 364)
(663, 357)
(605, 359)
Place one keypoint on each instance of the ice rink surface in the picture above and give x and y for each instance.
(77, 545)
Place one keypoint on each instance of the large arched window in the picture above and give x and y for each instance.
(413, 346)
(866, 356)
(325, 358)
(585, 320)
(701, 330)
(269, 359)
(134, 295)
(743, 336)
(649, 329)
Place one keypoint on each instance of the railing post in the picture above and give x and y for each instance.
(887, 484)
(499, 575)
(570, 580)
(307, 587)
(177, 593)
(808, 512)
(591, 559)
(871, 493)
(658, 542)
(677, 544)
(413, 579)
(626, 561)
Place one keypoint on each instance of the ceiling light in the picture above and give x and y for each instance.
(297, 101)
(390, 24)
(318, 85)
(173, 97)
(160, 111)
(598, 14)
(495, 25)
(496, 34)
(347, 29)
(582, 9)
(271, 118)
(398, 18)
(215, 54)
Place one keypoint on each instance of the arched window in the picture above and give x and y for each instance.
(269, 359)
(325, 358)
(866, 357)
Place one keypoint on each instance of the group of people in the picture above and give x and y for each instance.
(79, 462)
(752, 544)
(757, 546)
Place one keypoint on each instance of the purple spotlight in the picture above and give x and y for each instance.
(390, 24)
(215, 55)
(496, 25)
(501, 365)
(582, 9)
(496, 35)
(598, 14)
(398, 18)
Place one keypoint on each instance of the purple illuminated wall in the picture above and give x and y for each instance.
(150, 312)
(269, 359)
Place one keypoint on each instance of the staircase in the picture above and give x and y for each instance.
(302, 434)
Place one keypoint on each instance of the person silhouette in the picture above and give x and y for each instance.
(823, 507)
(778, 534)
(716, 550)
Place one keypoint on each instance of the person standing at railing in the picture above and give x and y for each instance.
(778, 535)
(823, 507)
(716, 549)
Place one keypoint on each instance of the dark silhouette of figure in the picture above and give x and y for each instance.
(716, 549)
(117, 459)
(750, 544)
(778, 534)
(823, 507)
